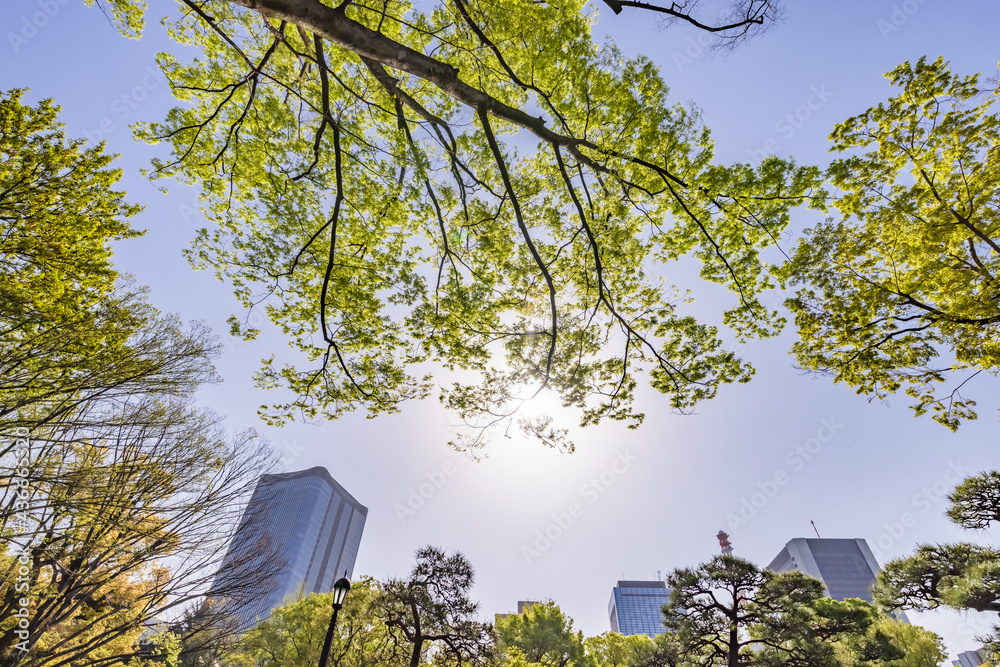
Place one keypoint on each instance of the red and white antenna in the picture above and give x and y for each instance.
(815, 528)
(727, 547)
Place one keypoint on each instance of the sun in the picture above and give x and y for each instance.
(546, 403)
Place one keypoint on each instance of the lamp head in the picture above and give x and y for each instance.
(340, 592)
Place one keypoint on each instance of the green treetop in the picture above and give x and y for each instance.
(542, 635)
(964, 576)
(730, 613)
(901, 289)
(470, 187)
(71, 329)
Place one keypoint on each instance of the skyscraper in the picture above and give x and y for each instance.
(308, 524)
(970, 659)
(846, 567)
(635, 607)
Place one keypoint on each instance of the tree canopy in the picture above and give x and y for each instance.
(430, 612)
(542, 635)
(470, 187)
(922, 648)
(613, 649)
(292, 636)
(125, 519)
(773, 620)
(71, 329)
(963, 576)
(125, 491)
(900, 289)
(59, 215)
(730, 613)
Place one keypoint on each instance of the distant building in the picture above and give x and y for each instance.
(846, 567)
(636, 607)
(309, 524)
(522, 605)
(970, 659)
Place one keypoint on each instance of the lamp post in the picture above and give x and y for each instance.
(339, 593)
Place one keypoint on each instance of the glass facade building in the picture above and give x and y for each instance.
(307, 525)
(636, 607)
(846, 567)
(970, 659)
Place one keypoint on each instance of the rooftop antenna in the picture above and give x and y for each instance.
(724, 543)
(815, 528)
(659, 577)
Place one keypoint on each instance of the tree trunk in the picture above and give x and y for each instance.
(734, 646)
(415, 656)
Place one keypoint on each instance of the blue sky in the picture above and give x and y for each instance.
(647, 500)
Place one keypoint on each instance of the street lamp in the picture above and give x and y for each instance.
(339, 593)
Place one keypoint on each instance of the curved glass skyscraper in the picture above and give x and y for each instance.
(303, 529)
